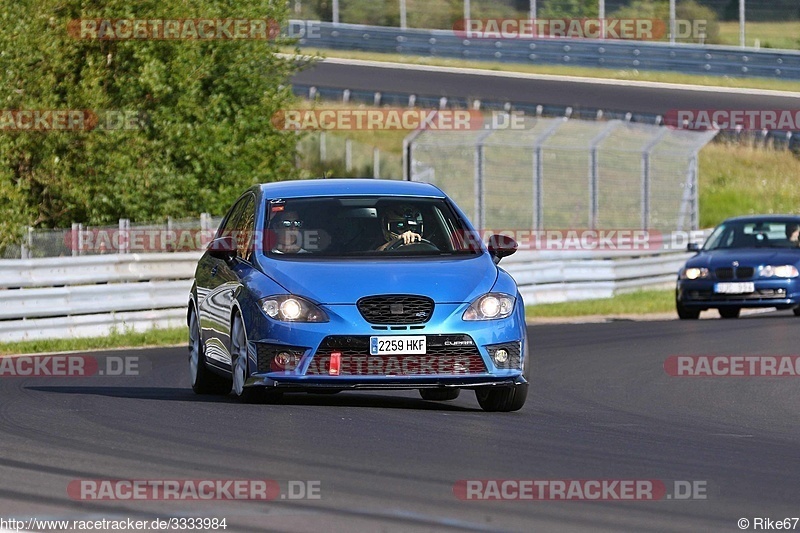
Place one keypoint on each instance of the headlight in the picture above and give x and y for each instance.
(491, 306)
(780, 271)
(289, 308)
(694, 273)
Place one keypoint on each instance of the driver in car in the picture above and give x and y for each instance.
(401, 225)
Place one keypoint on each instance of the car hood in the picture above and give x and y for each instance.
(745, 257)
(453, 280)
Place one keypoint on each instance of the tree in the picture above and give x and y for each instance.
(199, 111)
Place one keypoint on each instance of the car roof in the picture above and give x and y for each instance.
(348, 187)
(764, 218)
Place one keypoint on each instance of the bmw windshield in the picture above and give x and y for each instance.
(373, 226)
(755, 234)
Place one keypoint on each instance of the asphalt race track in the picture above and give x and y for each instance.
(602, 408)
(589, 94)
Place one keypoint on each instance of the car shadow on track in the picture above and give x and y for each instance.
(345, 399)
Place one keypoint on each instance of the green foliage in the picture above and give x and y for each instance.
(684, 10)
(204, 107)
(569, 9)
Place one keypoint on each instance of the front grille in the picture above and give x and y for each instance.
(396, 309)
(740, 272)
(445, 354)
(513, 349)
(724, 273)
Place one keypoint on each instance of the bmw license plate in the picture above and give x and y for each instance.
(407, 345)
(735, 287)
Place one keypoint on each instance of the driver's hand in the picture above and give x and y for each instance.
(409, 237)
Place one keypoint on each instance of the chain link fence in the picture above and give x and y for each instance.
(172, 235)
(565, 174)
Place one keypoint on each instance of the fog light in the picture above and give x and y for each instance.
(285, 361)
(501, 356)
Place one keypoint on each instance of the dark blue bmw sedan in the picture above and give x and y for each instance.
(748, 261)
(331, 285)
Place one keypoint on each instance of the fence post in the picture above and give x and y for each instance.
(646, 152)
(480, 171)
(376, 163)
(594, 174)
(348, 154)
(408, 150)
(124, 236)
(538, 172)
(27, 242)
(74, 239)
(323, 148)
(172, 243)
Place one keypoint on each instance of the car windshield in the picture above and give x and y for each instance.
(755, 234)
(366, 226)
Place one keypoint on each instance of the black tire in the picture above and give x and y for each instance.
(729, 312)
(203, 380)
(240, 369)
(686, 313)
(439, 395)
(502, 398)
(796, 311)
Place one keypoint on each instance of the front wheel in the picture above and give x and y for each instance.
(796, 311)
(502, 398)
(203, 380)
(240, 367)
(686, 313)
(439, 395)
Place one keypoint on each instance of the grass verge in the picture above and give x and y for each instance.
(117, 339)
(634, 303)
(587, 72)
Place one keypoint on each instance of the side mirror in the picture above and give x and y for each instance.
(501, 246)
(223, 248)
(693, 247)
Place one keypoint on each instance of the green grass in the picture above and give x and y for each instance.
(630, 74)
(117, 339)
(785, 35)
(738, 179)
(634, 303)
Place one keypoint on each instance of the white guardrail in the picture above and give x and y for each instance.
(89, 296)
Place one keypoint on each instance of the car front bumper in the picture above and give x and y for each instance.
(701, 294)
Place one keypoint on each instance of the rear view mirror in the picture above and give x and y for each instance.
(501, 246)
(223, 248)
(693, 247)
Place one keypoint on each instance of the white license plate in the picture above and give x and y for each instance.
(401, 344)
(735, 288)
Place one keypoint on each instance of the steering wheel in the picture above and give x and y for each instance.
(423, 245)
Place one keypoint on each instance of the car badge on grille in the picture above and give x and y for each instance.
(736, 263)
(396, 309)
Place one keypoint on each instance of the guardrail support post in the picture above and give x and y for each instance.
(646, 151)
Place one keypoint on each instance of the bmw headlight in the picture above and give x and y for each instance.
(288, 308)
(490, 306)
(779, 271)
(694, 273)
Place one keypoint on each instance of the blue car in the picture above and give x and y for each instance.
(329, 285)
(746, 262)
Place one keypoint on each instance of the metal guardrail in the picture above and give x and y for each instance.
(614, 54)
(89, 296)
